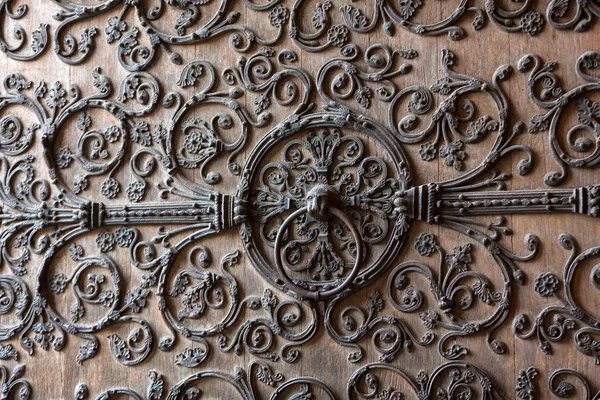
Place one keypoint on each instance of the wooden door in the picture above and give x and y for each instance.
(297, 199)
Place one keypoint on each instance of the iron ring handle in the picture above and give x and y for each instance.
(318, 294)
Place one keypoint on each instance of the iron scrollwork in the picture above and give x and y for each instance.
(189, 26)
(554, 321)
(135, 22)
(13, 384)
(559, 384)
(545, 91)
(575, 15)
(323, 202)
(323, 174)
(135, 56)
(463, 377)
(72, 216)
(241, 382)
(372, 202)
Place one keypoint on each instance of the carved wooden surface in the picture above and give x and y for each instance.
(339, 199)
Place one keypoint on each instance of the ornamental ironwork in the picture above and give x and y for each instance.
(323, 201)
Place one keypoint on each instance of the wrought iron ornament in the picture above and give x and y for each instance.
(333, 23)
(323, 204)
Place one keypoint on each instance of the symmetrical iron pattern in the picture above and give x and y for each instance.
(323, 203)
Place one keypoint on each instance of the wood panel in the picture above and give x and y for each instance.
(338, 199)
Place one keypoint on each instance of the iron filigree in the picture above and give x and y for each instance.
(139, 31)
(323, 200)
(553, 322)
(241, 382)
(582, 138)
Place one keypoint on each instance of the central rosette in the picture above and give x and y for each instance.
(324, 208)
